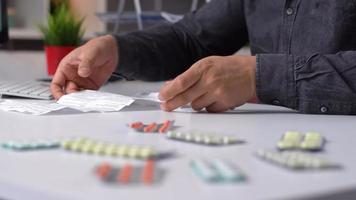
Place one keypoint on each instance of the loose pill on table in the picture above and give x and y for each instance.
(136, 125)
(165, 126)
(150, 128)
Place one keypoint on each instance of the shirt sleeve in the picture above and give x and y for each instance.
(165, 51)
(316, 84)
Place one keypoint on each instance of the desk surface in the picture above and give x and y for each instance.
(61, 175)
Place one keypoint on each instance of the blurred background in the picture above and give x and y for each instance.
(100, 17)
(36, 34)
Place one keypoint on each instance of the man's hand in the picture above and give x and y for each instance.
(87, 67)
(215, 83)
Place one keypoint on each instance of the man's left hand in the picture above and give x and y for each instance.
(216, 83)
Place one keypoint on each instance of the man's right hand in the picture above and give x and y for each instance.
(87, 67)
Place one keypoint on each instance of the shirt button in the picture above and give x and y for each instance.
(323, 109)
(289, 11)
(276, 102)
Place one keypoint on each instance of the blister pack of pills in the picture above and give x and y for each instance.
(203, 138)
(217, 171)
(29, 145)
(152, 127)
(296, 160)
(130, 174)
(310, 141)
(90, 146)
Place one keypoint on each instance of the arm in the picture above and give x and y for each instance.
(321, 84)
(167, 50)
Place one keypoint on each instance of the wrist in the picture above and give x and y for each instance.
(112, 43)
(251, 65)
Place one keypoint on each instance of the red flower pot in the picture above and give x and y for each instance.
(54, 55)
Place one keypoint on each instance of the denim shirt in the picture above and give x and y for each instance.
(305, 49)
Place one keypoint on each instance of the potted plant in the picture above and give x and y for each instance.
(62, 33)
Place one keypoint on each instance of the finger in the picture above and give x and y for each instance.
(180, 83)
(71, 87)
(167, 82)
(87, 61)
(57, 85)
(185, 97)
(217, 107)
(203, 101)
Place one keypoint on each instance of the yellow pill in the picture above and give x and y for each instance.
(76, 146)
(284, 145)
(311, 145)
(111, 150)
(146, 153)
(312, 136)
(122, 150)
(99, 148)
(66, 144)
(292, 136)
(88, 147)
(133, 152)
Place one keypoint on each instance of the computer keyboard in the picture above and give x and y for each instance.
(34, 90)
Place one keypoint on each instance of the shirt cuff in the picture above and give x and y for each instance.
(127, 64)
(275, 80)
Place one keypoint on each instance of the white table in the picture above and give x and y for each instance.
(58, 174)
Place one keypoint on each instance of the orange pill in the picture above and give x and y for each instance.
(165, 126)
(136, 125)
(150, 128)
(124, 175)
(148, 172)
(104, 170)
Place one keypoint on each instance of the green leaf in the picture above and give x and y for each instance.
(62, 28)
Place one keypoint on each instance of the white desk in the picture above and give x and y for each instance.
(58, 174)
